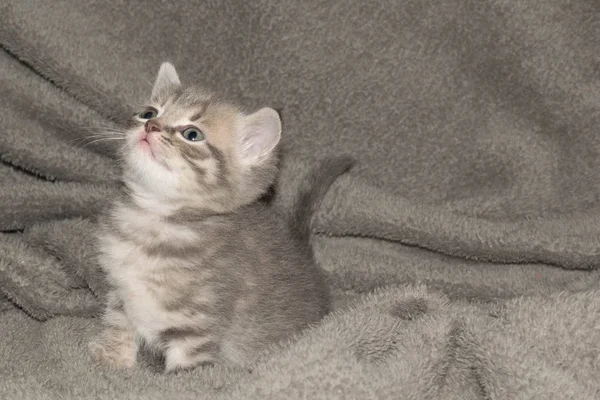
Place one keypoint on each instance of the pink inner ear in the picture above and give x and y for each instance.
(260, 136)
(249, 145)
(255, 143)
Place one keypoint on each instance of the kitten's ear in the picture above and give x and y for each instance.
(166, 80)
(260, 133)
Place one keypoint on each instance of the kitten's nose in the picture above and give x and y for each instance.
(152, 126)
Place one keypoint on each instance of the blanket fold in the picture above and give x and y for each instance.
(567, 240)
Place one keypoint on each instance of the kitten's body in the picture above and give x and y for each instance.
(240, 277)
(200, 270)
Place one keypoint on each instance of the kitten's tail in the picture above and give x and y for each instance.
(312, 192)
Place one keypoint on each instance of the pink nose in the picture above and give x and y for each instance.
(152, 126)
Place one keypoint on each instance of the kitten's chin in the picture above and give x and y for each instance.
(148, 172)
(144, 154)
(150, 152)
(142, 148)
(146, 148)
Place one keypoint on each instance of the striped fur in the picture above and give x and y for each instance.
(199, 269)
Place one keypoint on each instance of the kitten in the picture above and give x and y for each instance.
(200, 270)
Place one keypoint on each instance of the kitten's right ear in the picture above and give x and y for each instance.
(166, 80)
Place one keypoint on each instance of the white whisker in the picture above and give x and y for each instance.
(104, 140)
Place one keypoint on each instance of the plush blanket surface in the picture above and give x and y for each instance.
(462, 249)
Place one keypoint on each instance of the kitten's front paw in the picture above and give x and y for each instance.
(119, 353)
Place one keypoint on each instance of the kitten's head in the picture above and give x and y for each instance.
(189, 150)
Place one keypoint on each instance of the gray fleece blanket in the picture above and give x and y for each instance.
(462, 250)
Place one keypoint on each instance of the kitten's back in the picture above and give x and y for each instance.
(290, 291)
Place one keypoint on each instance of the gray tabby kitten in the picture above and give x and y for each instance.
(200, 270)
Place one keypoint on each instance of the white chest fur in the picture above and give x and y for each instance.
(130, 268)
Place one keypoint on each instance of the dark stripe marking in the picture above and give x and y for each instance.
(201, 172)
(178, 333)
(183, 303)
(193, 152)
(169, 251)
(221, 165)
(205, 348)
(159, 249)
(117, 306)
(198, 115)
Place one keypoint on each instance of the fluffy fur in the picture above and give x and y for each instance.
(200, 270)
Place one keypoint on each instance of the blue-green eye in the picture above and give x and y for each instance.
(193, 134)
(148, 113)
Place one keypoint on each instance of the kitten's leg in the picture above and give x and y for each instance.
(116, 344)
(188, 347)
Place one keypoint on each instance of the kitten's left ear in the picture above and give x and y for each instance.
(260, 133)
(166, 80)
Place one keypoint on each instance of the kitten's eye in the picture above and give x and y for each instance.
(193, 134)
(148, 113)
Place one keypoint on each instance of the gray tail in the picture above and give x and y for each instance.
(312, 192)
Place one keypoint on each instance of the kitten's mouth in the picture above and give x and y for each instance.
(145, 144)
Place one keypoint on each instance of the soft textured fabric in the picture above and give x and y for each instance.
(462, 249)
